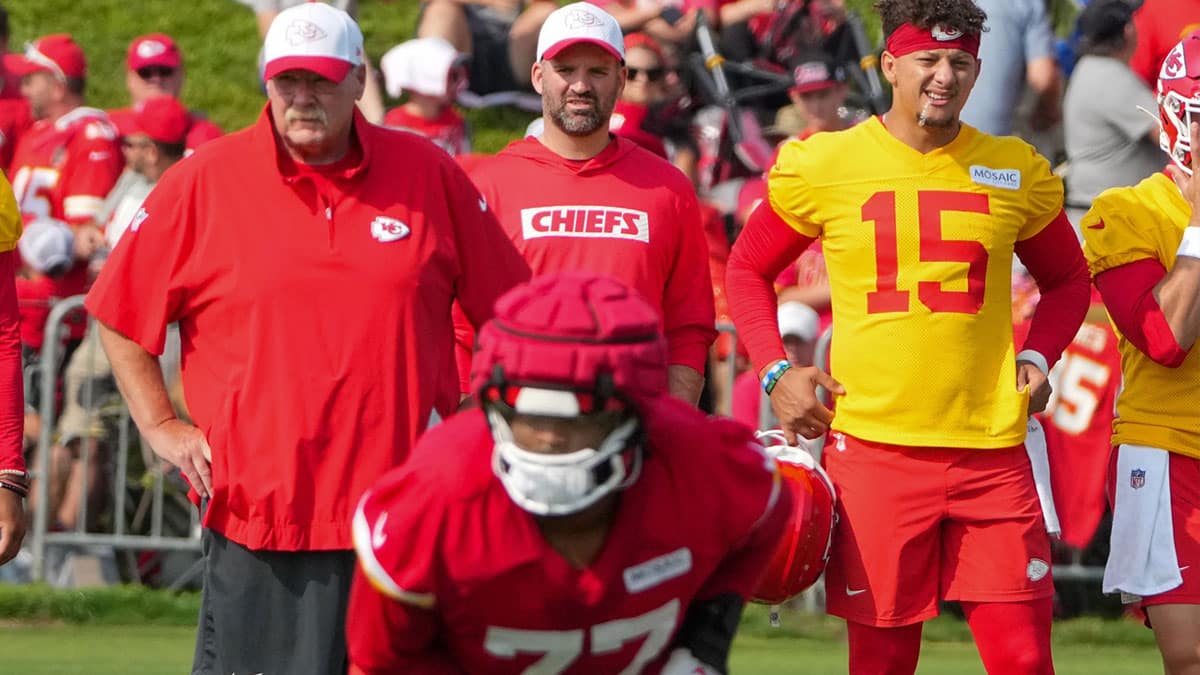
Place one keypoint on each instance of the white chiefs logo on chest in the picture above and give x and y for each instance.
(596, 222)
(387, 229)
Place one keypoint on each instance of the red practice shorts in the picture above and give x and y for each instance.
(919, 525)
(1185, 521)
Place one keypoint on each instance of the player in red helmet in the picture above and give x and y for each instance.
(547, 526)
(1143, 247)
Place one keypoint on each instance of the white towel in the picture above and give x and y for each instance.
(1035, 447)
(1141, 559)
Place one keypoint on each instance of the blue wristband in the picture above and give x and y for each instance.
(772, 377)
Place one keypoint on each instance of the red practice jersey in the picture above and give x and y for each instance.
(625, 213)
(1078, 423)
(64, 169)
(462, 580)
(448, 131)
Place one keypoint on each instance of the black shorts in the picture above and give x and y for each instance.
(272, 612)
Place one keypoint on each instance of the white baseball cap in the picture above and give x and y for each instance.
(48, 246)
(313, 36)
(421, 66)
(797, 318)
(580, 22)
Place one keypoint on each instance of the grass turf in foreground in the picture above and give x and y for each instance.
(137, 630)
(57, 649)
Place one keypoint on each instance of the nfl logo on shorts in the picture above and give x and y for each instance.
(1137, 478)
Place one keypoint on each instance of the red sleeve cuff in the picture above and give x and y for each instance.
(689, 348)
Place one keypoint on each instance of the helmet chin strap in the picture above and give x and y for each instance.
(548, 484)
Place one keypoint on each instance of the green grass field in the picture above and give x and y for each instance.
(132, 630)
(64, 649)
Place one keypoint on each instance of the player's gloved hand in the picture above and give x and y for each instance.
(683, 663)
(795, 402)
(1030, 378)
(184, 445)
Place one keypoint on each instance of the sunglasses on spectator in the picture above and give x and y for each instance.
(152, 71)
(652, 74)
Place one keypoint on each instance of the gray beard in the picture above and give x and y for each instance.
(577, 124)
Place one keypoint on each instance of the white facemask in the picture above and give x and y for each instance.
(560, 484)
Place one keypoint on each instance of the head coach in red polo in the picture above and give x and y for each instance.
(311, 261)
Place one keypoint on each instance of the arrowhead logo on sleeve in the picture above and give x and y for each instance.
(135, 223)
(596, 222)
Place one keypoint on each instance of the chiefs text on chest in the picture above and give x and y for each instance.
(604, 222)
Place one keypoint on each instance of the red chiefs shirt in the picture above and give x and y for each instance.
(448, 131)
(462, 580)
(64, 169)
(625, 213)
(314, 314)
(1079, 426)
(200, 131)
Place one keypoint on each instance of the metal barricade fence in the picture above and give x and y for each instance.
(145, 528)
(136, 533)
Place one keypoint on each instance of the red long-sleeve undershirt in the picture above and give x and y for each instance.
(1056, 262)
(1128, 293)
(767, 244)
(12, 394)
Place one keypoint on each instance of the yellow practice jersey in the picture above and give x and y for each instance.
(10, 217)
(1158, 406)
(919, 251)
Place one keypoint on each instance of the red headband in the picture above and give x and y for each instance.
(908, 38)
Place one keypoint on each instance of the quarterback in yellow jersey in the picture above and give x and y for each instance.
(919, 216)
(1143, 248)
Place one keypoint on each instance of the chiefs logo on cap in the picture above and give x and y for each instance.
(301, 31)
(581, 19)
(944, 35)
(148, 49)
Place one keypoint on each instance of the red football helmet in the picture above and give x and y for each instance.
(804, 548)
(1179, 99)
